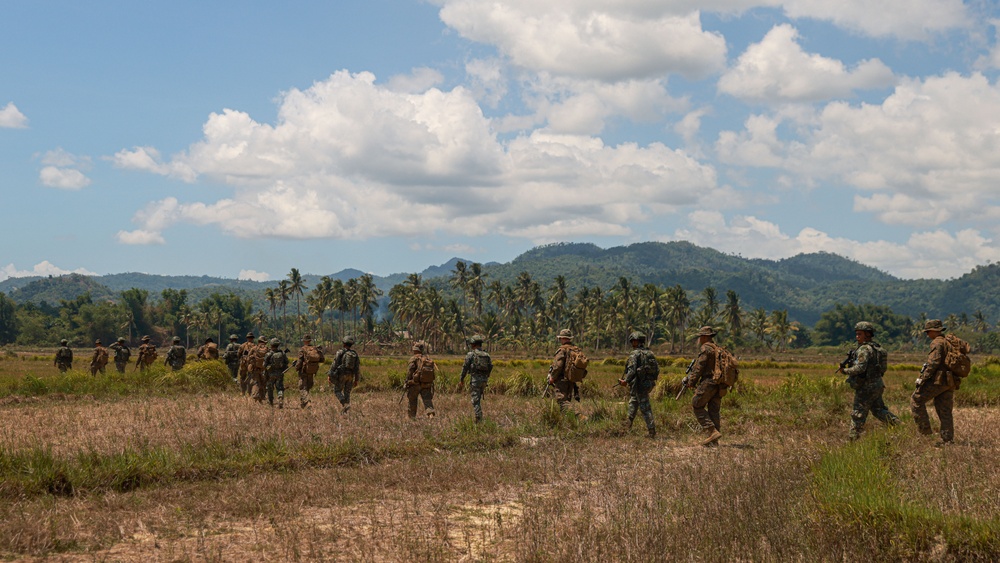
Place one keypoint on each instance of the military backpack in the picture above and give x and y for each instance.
(576, 364)
(727, 369)
(648, 367)
(349, 361)
(481, 363)
(426, 371)
(957, 359)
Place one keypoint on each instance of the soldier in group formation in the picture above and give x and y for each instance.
(478, 365)
(259, 369)
(121, 353)
(345, 373)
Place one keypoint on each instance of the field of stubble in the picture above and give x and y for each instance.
(179, 467)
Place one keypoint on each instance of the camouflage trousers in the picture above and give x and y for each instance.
(426, 392)
(707, 402)
(566, 390)
(342, 386)
(943, 395)
(63, 368)
(275, 381)
(638, 400)
(477, 386)
(95, 369)
(257, 384)
(868, 398)
(306, 381)
(234, 370)
(120, 366)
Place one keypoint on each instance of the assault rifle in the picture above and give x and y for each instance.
(684, 382)
(848, 361)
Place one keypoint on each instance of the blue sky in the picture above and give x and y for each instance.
(242, 139)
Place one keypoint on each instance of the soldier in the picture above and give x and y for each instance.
(64, 356)
(232, 357)
(122, 354)
(147, 354)
(864, 369)
(641, 371)
(478, 365)
(708, 393)
(420, 374)
(255, 369)
(566, 390)
(209, 350)
(246, 382)
(100, 358)
(310, 357)
(275, 364)
(935, 383)
(345, 373)
(176, 355)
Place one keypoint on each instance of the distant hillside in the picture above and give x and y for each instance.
(806, 285)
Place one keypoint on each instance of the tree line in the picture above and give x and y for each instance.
(523, 316)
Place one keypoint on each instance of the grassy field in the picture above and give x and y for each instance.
(177, 466)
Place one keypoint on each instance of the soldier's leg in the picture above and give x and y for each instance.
(863, 399)
(564, 393)
(348, 387)
(882, 412)
(427, 394)
(280, 386)
(633, 404)
(918, 405)
(943, 405)
(271, 381)
(338, 390)
(714, 410)
(412, 392)
(706, 404)
(476, 390)
(305, 384)
(647, 410)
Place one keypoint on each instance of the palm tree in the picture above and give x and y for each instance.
(652, 301)
(459, 278)
(783, 331)
(259, 318)
(340, 302)
(272, 297)
(296, 286)
(368, 295)
(758, 325)
(678, 312)
(476, 284)
(557, 300)
(733, 314)
(284, 292)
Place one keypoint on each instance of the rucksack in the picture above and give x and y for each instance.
(425, 370)
(481, 363)
(648, 367)
(576, 365)
(349, 361)
(957, 360)
(257, 354)
(727, 369)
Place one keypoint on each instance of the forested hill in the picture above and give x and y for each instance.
(806, 285)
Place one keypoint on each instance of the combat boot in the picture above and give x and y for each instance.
(345, 409)
(430, 414)
(627, 426)
(712, 436)
(281, 400)
(651, 431)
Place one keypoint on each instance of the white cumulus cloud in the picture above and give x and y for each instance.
(253, 275)
(63, 178)
(140, 237)
(43, 268)
(904, 19)
(12, 118)
(777, 70)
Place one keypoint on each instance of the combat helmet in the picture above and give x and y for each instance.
(476, 339)
(146, 338)
(121, 339)
(275, 343)
(64, 342)
(565, 333)
(707, 331)
(417, 346)
(261, 338)
(348, 340)
(177, 339)
(97, 342)
(637, 336)
(865, 326)
(233, 337)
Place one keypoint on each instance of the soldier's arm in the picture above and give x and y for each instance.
(702, 364)
(466, 366)
(860, 366)
(935, 360)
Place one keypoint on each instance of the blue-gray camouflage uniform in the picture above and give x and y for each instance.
(478, 365)
(344, 374)
(864, 375)
(640, 376)
(275, 364)
(176, 357)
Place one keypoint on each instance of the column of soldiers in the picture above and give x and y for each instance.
(259, 369)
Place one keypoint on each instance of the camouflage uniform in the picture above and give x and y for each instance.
(415, 388)
(232, 357)
(257, 386)
(208, 351)
(246, 381)
(478, 365)
(936, 384)
(640, 382)
(147, 354)
(708, 393)
(864, 375)
(275, 364)
(566, 390)
(344, 378)
(307, 368)
(64, 357)
(99, 359)
(176, 355)
(121, 353)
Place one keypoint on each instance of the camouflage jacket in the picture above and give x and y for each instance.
(870, 362)
(704, 364)
(232, 353)
(478, 365)
(338, 366)
(64, 356)
(147, 354)
(936, 369)
(100, 357)
(208, 351)
(121, 352)
(275, 362)
(635, 361)
(557, 371)
(176, 356)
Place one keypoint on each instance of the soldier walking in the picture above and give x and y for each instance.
(257, 388)
(275, 364)
(232, 357)
(641, 372)
(345, 373)
(64, 356)
(310, 357)
(420, 374)
(864, 369)
(936, 383)
(99, 359)
(246, 381)
(176, 355)
(147, 354)
(566, 390)
(478, 365)
(121, 353)
(707, 400)
(209, 350)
